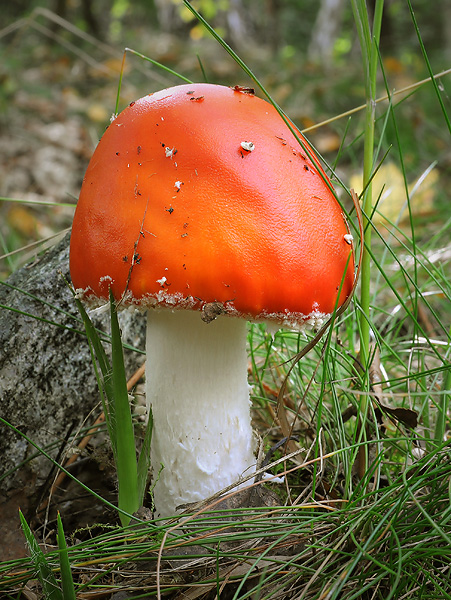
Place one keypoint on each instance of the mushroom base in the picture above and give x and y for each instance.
(197, 387)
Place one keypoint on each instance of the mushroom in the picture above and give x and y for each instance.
(200, 205)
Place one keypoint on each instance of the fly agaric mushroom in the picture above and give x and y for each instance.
(200, 205)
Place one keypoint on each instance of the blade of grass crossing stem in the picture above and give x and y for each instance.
(127, 473)
(66, 573)
(43, 570)
(369, 42)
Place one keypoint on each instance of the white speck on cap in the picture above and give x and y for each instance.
(248, 146)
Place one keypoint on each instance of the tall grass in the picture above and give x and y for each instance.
(369, 36)
(132, 471)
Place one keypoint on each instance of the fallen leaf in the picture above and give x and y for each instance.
(406, 416)
(388, 183)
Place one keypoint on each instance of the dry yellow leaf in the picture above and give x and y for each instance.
(98, 113)
(22, 220)
(392, 207)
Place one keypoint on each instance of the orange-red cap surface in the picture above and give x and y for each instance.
(200, 193)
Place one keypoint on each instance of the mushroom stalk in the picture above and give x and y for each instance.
(196, 381)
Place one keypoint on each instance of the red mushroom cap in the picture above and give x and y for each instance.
(200, 193)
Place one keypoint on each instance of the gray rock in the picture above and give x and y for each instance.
(47, 380)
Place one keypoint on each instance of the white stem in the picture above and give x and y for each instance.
(196, 376)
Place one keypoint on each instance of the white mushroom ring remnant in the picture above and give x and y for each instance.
(259, 239)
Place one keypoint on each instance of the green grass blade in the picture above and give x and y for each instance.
(42, 319)
(104, 381)
(369, 41)
(66, 573)
(445, 402)
(126, 463)
(113, 389)
(201, 66)
(43, 570)
(38, 202)
(428, 65)
(155, 63)
(94, 338)
(119, 86)
(6, 252)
